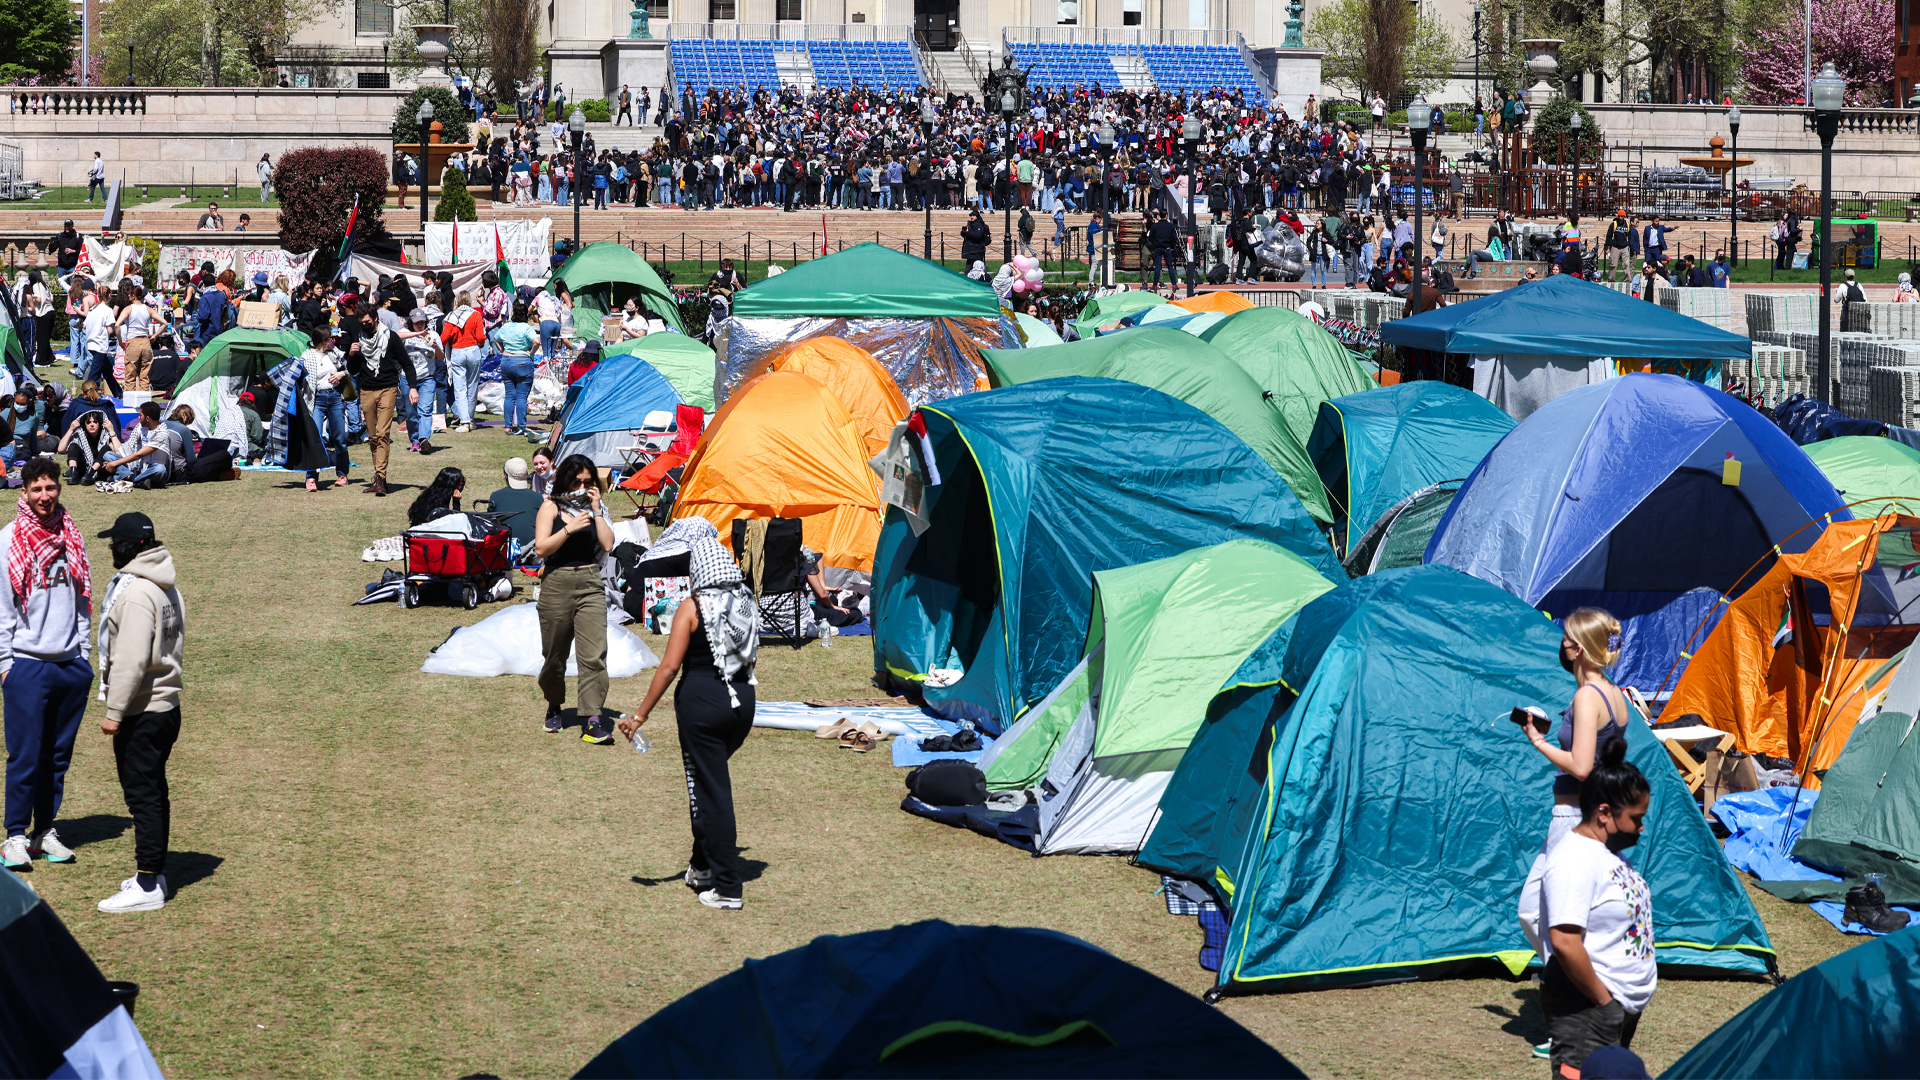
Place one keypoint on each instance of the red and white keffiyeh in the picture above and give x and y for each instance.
(35, 547)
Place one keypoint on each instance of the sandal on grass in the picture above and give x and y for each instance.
(857, 741)
(834, 730)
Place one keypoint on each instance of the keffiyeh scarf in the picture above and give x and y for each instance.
(93, 448)
(727, 609)
(35, 547)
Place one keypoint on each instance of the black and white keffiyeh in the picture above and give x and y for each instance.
(726, 607)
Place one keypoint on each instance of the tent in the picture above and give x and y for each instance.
(1855, 1014)
(1292, 359)
(607, 403)
(924, 323)
(1394, 822)
(685, 361)
(1622, 496)
(1540, 339)
(1104, 313)
(1038, 333)
(1374, 448)
(1872, 468)
(853, 375)
(1190, 370)
(1042, 485)
(1176, 318)
(211, 385)
(933, 999)
(1221, 300)
(603, 276)
(784, 446)
(1399, 537)
(1162, 638)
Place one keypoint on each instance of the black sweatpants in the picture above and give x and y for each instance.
(140, 751)
(711, 729)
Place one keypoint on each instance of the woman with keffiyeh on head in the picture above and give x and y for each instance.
(715, 639)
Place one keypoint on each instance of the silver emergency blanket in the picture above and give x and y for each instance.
(930, 359)
(1281, 250)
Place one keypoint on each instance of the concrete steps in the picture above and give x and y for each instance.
(794, 68)
(1132, 72)
(950, 67)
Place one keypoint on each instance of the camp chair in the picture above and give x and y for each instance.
(655, 436)
(1707, 779)
(778, 577)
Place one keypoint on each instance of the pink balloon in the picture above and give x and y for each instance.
(1019, 284)
(1024, 262)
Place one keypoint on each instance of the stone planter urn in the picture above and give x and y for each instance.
(1543, 59)
(436, 41)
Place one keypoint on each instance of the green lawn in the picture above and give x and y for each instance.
(246, 196)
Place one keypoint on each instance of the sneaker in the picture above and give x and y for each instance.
(105, 487)
(48, 844)
(596, 731)
(1866, 905)
(132, 897)
(414, 446)
(121, 487)
(368, 555)
(726, 903)
(1543, 1051)
(555, 723)
(14, 853)
(699, 880)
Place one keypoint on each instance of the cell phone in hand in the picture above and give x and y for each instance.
(1527, 714)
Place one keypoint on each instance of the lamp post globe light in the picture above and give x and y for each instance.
(1106, 204)
(1419, 118)
(1190, 131)
(1008, 106)
(929, 116)
(1733, 184)
(423, 117)
(1828, 94)
(576, 129)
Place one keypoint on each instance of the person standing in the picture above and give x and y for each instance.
(570, 533)
(97, 177)
(1655, 242)
(626, 106)
(465, 333)
(375, 362)
(66, 246)
(135, 328)
(143, 633)
(264, 169)
(98, 326)
(712, 646)
(44, 674)
(1622, 244)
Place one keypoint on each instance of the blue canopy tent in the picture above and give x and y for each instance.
(1041, 485)
(607, 403)
(1647, 495)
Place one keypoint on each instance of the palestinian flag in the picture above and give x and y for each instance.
(60, 1016)
(345, 256)
(500, 262)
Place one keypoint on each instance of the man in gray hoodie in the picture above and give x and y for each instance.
(143, 632)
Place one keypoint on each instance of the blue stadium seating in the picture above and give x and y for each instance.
(1178, 68)
(700, 64)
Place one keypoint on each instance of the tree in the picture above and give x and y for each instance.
(317, 188)
(456, 202)
(38, 45)
(165, 35)
(453, 116)
(1381, 46)
(1856, 35)
(495, 42)
(1553, 120)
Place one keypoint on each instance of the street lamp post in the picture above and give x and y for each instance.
(1733, 181)
(1190, 136)
(130, 81)
(1419, 116)
(1477, 107)
(1829, 91)
(1573, 202)
(424, 117)
(577, 128)
(1106, 204)
(928, 117)
(1008, 106)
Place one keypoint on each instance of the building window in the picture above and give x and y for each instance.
(372, 17)
(1068, 13)
(660, 9)
(720, 10)
(1132, 12)
(368, 80)
(787, 10)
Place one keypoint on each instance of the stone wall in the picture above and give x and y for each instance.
(1876, 150)
(207, 135)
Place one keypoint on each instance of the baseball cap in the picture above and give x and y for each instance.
(516, 470)
(129, 526)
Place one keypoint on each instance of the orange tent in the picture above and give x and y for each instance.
(1802, 699)
(854, 376)
(784, 446)
(1223, 301)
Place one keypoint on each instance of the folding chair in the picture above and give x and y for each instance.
(778, 577)
(655, 436)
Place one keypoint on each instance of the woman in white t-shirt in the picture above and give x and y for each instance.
(1599, 917)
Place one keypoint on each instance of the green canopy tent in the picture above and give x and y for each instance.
(1873, 468)
(1104, 312)
(212, 383)
(603, 276)
(866, 281)
(1163, 636)
(685, 361)
(1183, 367)
(1291, 358)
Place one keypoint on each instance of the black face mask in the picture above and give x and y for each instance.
(1566, 661)
(1618, 842)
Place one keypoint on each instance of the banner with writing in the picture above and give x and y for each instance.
(528, 245)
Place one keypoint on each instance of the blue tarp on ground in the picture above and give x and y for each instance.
(1564, 316)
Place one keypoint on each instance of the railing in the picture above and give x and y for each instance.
(790, 31)
(923, 62)
(1259, 73)
(77, 101)
(1125, 36)
(1876, 121)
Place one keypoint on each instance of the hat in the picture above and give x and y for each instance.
(259, 277)
(1849, 275)
(516, 470)
(129, 526)
(419, 315)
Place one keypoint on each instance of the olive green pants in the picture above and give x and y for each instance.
(573, 616)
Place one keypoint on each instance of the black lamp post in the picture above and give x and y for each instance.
(1733, 181)
(424, 117)
(577, 128)
(1573, 203)
(1190, 136)
(130, 81)
(1478, 109)
(1106, 203)
(1419, 117)
(1828, 93)
(928, 117)
(1008, 106)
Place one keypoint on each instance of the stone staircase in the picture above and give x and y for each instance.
(793, 67)
(950, 68)
(1133, 72)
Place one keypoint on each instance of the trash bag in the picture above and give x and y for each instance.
(508, 643)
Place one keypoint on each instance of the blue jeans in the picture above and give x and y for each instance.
(100, 372)
(421, 429)
(549, 333)
(76, 341)
(144, 469)
(463, 366)
(330, 419)
(44, 702)
(516, 374)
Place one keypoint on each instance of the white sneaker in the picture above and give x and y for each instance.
(132, 897)
(726, 903)
(121, 487)
(14, 853)
(367, 554)
(701, 880)
(48, 844)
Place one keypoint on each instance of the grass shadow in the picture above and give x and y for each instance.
(186, 868)
(1528, 1022)
(94, 829)
(750, 870)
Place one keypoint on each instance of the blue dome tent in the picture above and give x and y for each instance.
(610, 401)
(1648, 495)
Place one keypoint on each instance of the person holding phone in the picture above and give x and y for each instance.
(570, 532)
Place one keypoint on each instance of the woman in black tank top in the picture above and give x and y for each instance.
(570, 531)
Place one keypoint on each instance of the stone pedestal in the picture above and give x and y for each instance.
(435, 44)
(576, 67)
(1295, 74)
(634, 63)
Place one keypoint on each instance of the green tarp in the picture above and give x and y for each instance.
(1291, 358)
(1871, 467)
(1868, 818)
(10, 345)
(242, 352)
(603, 276)
(1104, 311)
(866, 281)
(1184, 367)
(686, 363)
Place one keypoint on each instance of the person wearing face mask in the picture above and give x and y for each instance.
(1600, 971)
(375, 362)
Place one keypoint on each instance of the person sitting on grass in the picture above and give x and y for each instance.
(256, 427)
(28, 418)
(89, 444)
(440, 497)
(180, 422)
(153, 456)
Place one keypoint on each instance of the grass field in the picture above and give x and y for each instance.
(386, 873)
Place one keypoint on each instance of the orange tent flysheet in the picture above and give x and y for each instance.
(1224, 301)
(784, 446)
(852, 374)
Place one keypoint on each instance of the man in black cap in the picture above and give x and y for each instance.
(66, 249)
(143, 630)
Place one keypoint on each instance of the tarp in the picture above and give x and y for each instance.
(685, 361)
(1042, 485)
(1291, 358)
(1564, 316)
(1105, 312)
(853, 375)
(1190, 370)
(866, 281)
(930, 359)
(603, 276)
(617, 395)
(1855, 1014)
(1396, 824)
(784, 446)
(1871, 467)
(1221, 300)
(1176, 318)
(932, 999)
(241, 352)
(1375, 448)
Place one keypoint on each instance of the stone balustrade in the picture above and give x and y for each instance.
(62, 101)
(1875, 150)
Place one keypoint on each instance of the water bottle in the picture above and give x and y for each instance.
(640, 743)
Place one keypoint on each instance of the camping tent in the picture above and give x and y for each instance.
(1540, 339)
(1399, 537)
(1870, 467)
(685, 361)
(1103, 313)
(1855, 1014)
(603, 276)
(854, 377)
(1375, 448)
(924, 323)
(1041, 485)
(1291, 358)
(1162, 638)
(1622, 495)
(1178, 318)
(1190, 370)
(1221, 300)
(1038, 334)
(932, 999)
(784, 446)
(607, 403)
(211, 385)
(1395, 822)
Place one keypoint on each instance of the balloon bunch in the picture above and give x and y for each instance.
(1027, 275)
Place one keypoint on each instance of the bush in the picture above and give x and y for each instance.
(1554, 119)
(317, 186)
(454, 117)
(456, 202)
(149, 256)
(594, 109)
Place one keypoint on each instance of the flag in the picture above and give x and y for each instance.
(500, 262)
(345, 256)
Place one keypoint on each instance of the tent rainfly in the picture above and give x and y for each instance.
(1292, 359)
(866, 281)
(685, 361)
(609, 402)
(852, 375)
(603, 276)
(1881, 471)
